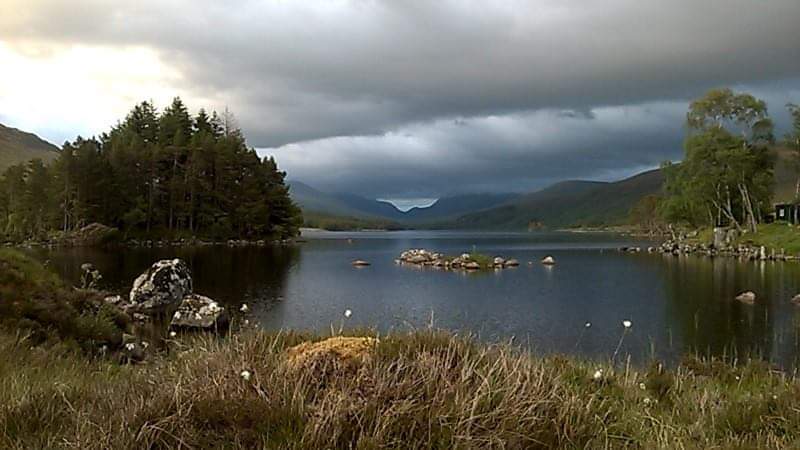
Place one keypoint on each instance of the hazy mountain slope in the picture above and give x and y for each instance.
(17, 146)
(313, 200)
(451, 207)
(371, 207)
(567, 204)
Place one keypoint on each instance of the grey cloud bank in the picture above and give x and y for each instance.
(420, 99)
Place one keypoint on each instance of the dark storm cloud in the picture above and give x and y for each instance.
(331, 76)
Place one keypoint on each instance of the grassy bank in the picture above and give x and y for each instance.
(422, 389)
(777, 236)
(774, 236)
(418, 390)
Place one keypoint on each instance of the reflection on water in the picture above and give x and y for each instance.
(676, 304)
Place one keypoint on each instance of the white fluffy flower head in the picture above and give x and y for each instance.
(348, 313)
(627, 323)
(245, 374)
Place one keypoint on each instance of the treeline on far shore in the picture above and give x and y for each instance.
(153, 174)
(727, 176)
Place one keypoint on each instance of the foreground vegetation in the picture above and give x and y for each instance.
(421, 389)
(418, 390)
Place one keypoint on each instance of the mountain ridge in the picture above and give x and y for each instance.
(18, 146)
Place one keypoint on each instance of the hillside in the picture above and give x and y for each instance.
(452, 207)
(311, 200)
(17, 146)
(319, 205)
(568, 203)
(564, 204)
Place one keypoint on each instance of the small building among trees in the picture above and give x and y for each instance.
(787, 212)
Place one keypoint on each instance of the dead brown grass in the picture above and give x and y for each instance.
(423, 389)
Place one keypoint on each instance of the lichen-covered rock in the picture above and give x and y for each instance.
(162, 287)
(200, 312)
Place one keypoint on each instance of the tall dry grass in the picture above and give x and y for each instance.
(423, 389)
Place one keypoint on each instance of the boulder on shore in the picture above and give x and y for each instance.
(161, 289)
(199, 312)
(747, 298)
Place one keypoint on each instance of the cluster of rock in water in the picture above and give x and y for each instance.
(423, 257)
(723, 244)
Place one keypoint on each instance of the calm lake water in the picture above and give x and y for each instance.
(677, 304)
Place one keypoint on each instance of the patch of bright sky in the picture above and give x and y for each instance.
(60, 91)
(405, 204)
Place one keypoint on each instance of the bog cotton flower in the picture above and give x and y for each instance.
(598, 374)
(172, 334)
(348, 313)
(130, 347)
(245, 374)
(244, 308)
(627, 323)
(587, 324)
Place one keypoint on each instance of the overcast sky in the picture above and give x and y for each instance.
(405, 99)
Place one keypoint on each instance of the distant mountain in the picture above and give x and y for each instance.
(376, 208)
(564, 204)
(452, 207)
(569, 203)
(17, 146)
(318, 203)
(312, 200)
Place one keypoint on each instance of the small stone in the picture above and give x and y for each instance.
(747, 298)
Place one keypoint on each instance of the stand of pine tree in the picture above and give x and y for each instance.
(153, 174)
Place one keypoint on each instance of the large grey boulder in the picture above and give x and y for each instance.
(199, 312)
(162, 287)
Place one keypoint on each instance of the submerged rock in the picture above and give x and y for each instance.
(747, 298)
(199, 312)
(162, 287)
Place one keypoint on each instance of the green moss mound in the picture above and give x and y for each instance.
(34, 300)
